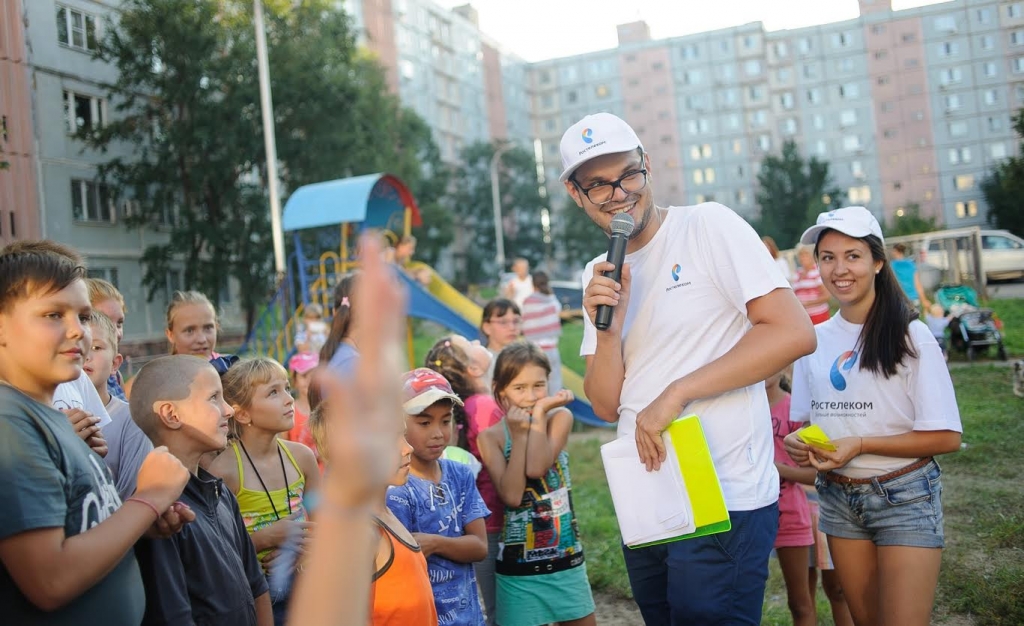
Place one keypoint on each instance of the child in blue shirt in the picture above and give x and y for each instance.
(440, 503)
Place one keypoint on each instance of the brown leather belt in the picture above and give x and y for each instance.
(833, 477)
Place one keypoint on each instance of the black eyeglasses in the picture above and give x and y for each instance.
(602, 193)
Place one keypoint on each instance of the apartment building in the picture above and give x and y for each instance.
(51, 67)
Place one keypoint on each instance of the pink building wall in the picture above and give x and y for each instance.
(649, 104)
(905, 144)
(379, 22)
(497, 121)
(19, 206)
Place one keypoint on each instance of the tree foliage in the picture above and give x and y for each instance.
(187, 102)
(579, 239)
(792, 191)
(910, 223)
(1004, 187)
(470, 202)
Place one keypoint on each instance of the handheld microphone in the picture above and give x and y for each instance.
(622, 228)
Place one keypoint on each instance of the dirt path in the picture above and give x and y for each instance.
(616, 611)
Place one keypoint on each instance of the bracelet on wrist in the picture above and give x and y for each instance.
(151, 506)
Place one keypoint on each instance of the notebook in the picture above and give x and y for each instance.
(681, 500)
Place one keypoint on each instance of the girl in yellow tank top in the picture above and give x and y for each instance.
(268, 475)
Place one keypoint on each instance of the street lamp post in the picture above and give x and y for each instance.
(496, 206)
(269, 143)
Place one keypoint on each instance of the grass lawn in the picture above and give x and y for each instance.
(982, 580)
(1011, 312)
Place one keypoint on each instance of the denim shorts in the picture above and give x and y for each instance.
(902, 511)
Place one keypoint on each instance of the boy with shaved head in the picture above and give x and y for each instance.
(208, 573)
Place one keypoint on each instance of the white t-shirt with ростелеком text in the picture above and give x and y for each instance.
(80, 394)
(831, 390)
(687, 307)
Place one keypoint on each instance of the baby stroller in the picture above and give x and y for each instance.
(972, 329)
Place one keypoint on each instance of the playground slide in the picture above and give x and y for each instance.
(443, 304)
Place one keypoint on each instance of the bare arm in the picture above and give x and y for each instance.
(548, 435)
(920, 290)
(264, 612)
(781, 333)
(605, 369)
(469, 548)
(509, 477)
(912, 445)
(802, 475)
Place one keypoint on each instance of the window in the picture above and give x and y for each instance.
(881, 54)
(709, 175)
(990, 69)
(857, 169)
(950, 75)
(698, 176)
(764, 142)
(967, 209)
(804, 46)
(748, 42)
(729, 97)
(995, 124)
(737, 148)
(83, 112)
(758, 118)
(741, 197)
(821, 147)
(957, 129)
(984, 16)
(1017, 38)
(849, 90)
(908, 37)
(752, 67)
(818, 121)
(786, 99)
(963, 182)
(890, 133)
(952, 102)
(885, 107)
(733, 121)
(998, 150)
(859, 195)
(1018, 65)
(781, 49)
(76, 29)
(991, 96)
(959, 155)
(851, 143)
(90, 202)
(841, 40)
(755, 92)
(1013, 10)
(705, 151)
(108, 274)
(947, 48)
(945, 24)
(878, 29)
(690, 52)
(693, 77)
(810, 70)
(174, 281)
(814, 96)
(845, 65)
(601, 91)
(987, 42)
(407, 69)
(728, 71)
(847, 118)
(783, 74)
(995, 242)
(695, 153)
(789, 126)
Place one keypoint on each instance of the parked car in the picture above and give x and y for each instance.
(1002, 254)
(570, 294)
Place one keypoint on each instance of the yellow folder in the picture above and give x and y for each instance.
(681, 500)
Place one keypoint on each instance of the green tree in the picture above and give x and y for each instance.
(910, 223)
(187, 101)
(576, 236)
(792, 191)
(521, 205)
(1004, 188)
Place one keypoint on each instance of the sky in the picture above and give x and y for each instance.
(544, 29)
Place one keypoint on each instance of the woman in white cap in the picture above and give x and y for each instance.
(878, 386)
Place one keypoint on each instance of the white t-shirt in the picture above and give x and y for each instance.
(521, 289)
(80, 394)
(831, 390)
(687, 307)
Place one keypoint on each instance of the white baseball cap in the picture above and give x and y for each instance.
(855, 221)
(593, 136)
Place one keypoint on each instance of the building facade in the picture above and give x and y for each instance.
(65, 87)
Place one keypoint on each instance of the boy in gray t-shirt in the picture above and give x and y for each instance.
(127, 445)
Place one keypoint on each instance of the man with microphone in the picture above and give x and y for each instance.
(700, 317)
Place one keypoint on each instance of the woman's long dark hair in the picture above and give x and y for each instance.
(342, 317)
(450, 361)
(884, 340)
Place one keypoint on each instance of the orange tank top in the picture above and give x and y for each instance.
(402, 595)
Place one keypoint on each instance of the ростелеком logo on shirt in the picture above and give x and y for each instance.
(675, 272)
(588, 135)
(844, 363)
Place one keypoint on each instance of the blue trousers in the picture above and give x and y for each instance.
(717, 579)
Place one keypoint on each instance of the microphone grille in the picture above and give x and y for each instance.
(622, 224)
